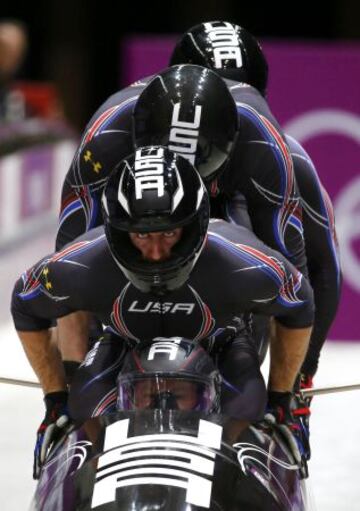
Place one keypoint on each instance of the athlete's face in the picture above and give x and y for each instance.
(156, 246)
(183, 392)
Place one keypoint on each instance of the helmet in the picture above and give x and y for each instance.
(155, 190)
(190, 110)
(169, 373)
(228, 49)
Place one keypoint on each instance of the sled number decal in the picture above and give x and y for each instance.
(180, 461)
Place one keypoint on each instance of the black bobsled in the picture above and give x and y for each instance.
(170, 460)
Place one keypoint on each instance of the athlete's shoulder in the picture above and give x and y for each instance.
(241, 89)
(107, 138)
(303, 165)
(87, 247)
(140, 84)
(295, 147)
(245, 93)
(228, 237)
(129, 94)
(123, 100)
(132, 91)
(83, 253)
(250, 103)
(227, 230)
(239, 260)
(78, 264)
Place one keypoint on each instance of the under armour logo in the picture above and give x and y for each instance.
(96, 165)
(48, 284)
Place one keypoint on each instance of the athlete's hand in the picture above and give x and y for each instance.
(284, 411)
(54, 425)
(301, 406)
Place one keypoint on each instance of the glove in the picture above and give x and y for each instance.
(283, 412)
(305, 382)
(303, 411)
(54, 425)
(301, 406)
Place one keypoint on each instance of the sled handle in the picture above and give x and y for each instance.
(328, 390)
(304, 393)
(16, 381)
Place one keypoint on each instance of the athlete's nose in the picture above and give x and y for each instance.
(157, 251)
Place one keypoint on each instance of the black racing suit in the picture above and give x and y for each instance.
(257, 189)
(243, 206)
(322, 250)
(260, 167)
(235, 275)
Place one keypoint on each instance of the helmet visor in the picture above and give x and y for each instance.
(165, 392)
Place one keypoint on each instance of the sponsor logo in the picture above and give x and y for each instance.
(184, 135)
(224, 42)
(180, 461)
(162, 308)
(96, 165)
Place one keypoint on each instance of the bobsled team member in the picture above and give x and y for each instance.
(234, 54)
(169, 374)
(192, 111)
(158, 271)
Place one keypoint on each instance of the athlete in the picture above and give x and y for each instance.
(253, 158)
(233, 53)
(169, 374)
(158, 271)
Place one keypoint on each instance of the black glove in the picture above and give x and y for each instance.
(55, 424)
(284, 411)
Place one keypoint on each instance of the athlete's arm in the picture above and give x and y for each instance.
(262, 169)
(322, 251)
(288, 348)
(73, 336)
(85, 181)
(34, 309)
(264, 282)
(105, 142)
(44, 358)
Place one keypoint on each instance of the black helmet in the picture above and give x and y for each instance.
(155, 190)
(169, 373)
(226, 48)
(190, 110)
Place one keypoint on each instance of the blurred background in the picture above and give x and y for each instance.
(60, 60)
(76, 44)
